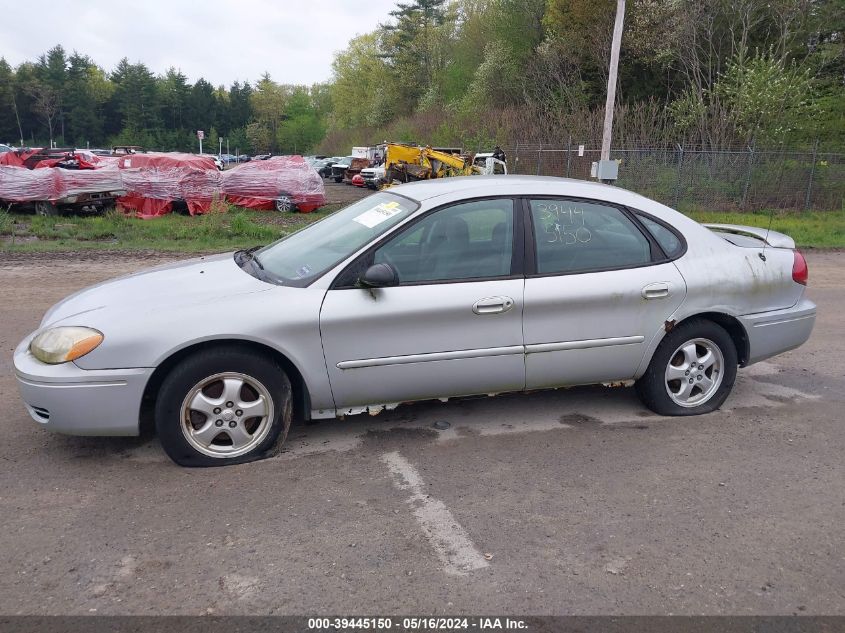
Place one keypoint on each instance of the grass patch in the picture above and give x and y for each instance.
(223, 231)
(7, 222)
(809, 229)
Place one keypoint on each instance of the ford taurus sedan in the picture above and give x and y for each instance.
(439, 289)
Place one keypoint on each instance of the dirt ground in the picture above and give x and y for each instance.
(571, 501)
(340, 193)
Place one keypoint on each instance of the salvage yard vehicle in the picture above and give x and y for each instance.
(339, 168)
(489, 164)
(323, 166)
(123, 150)
(373, 177)
(84, 194)
(408, 163)
(439, 289)
(157, 183)
(283, 183)
(354, 169)
(58, 181)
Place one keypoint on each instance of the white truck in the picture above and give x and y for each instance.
(489, 165)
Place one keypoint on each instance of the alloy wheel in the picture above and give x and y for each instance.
(694, 372)
(227, 415)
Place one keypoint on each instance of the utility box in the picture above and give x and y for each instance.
(605, 170)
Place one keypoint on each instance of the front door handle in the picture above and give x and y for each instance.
(656, 290)
(492, 305)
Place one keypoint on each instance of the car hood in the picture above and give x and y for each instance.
(199, 281)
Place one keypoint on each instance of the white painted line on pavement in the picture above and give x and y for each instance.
(449, 539)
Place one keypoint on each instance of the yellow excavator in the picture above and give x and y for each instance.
(407, 163)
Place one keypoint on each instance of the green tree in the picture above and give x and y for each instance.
(135, 100)
(49, 92)
(413, 47)
(268, 105)
(86, 90)
(361, 90)
(9, 127)
(174, 94)
(302, 127)
(769, 99)
(201, 110)
(240, 104)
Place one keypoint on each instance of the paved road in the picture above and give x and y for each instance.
(562, 502)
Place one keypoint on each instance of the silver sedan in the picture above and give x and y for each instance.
(448, 288)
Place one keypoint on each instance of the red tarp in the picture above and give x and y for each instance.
(153, 181)
(259, 183)
(19, 184)
(46, 181)
(11, 159)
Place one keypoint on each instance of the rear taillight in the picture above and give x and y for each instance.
(800, 273)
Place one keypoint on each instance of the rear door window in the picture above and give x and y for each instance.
(576, 236)
(669, 242)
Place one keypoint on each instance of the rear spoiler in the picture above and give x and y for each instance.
(772, 238)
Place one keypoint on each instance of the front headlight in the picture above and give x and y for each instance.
(63, 344)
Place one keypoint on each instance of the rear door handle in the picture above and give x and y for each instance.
(656, 290)
(492, 305)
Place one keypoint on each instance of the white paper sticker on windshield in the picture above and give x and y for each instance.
(378, 214)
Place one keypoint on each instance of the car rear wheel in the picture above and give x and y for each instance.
(284, 203)
(223, 406)
(692, 371)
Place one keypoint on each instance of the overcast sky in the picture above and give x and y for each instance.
(221, 40)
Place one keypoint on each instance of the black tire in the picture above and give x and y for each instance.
(653, 387)
(46, 208)
(189, 373)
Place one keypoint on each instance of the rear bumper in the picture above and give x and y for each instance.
(67, 399)
(772, 333)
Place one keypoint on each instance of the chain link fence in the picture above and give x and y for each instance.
(734, 179)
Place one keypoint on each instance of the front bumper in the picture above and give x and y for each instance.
(772, 333)
(67, 399)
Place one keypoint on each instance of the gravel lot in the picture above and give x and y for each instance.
(561, 502)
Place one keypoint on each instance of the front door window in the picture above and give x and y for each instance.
(473, 240)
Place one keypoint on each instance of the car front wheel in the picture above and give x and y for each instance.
(223, 406)
(692, 371)
(46, 208)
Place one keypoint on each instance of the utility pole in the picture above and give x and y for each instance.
(606, 169)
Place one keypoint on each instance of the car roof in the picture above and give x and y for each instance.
(473, 186)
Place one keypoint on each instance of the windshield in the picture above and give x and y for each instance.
(303, 256)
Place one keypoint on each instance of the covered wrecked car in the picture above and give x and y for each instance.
(283, 183)
(58, 181)
(159, 183)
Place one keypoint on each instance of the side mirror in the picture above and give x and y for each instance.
(379, 276)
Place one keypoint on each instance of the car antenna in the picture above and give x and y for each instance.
(766, 239)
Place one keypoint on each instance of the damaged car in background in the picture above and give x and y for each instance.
(57, 181)
(429, 290)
